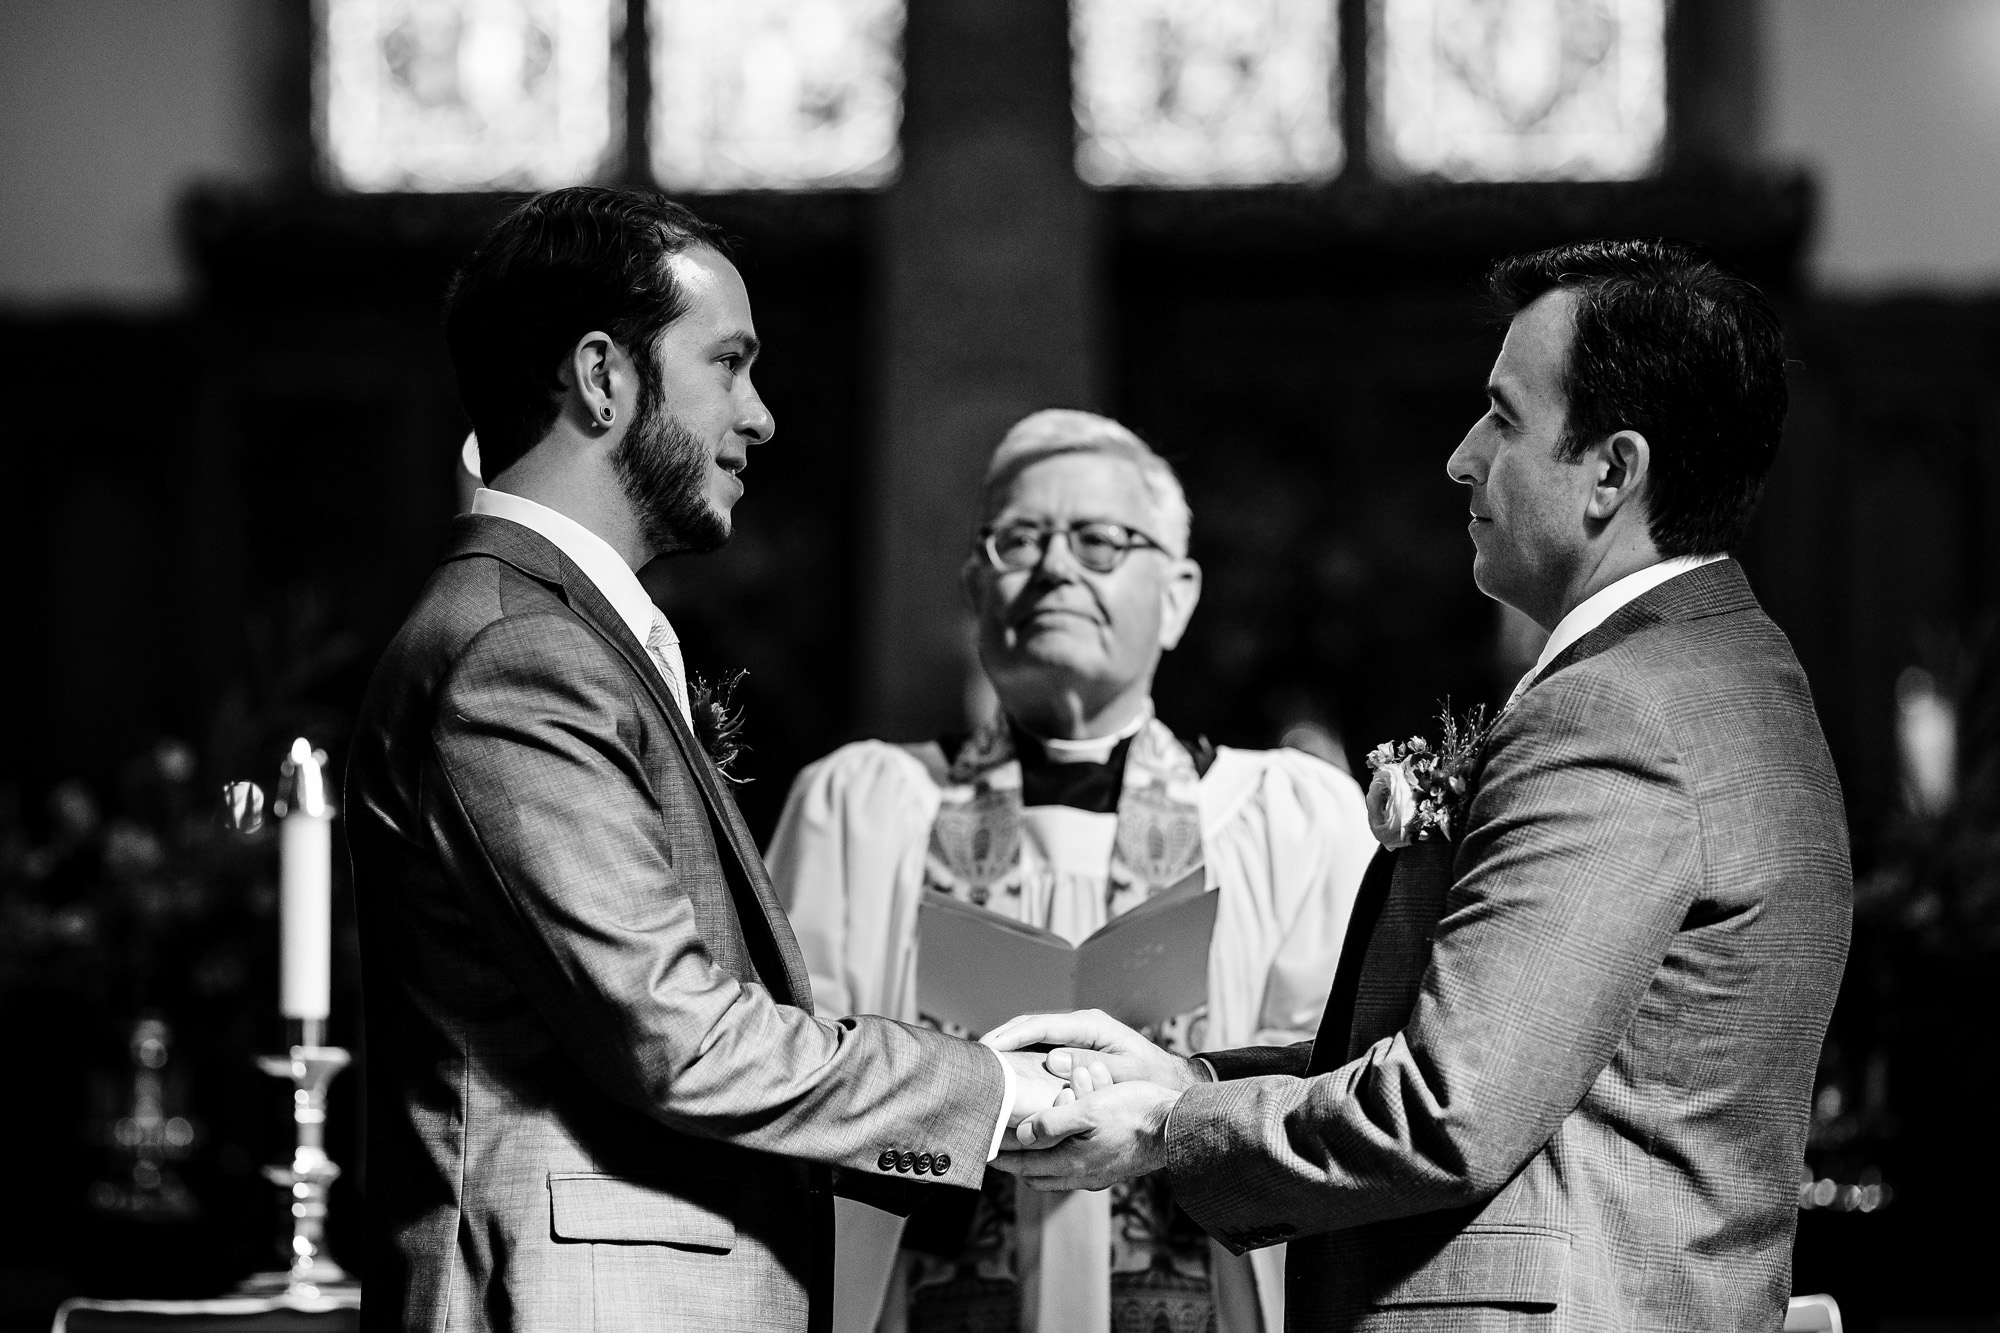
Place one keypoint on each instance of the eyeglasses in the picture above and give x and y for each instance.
(1098, 546)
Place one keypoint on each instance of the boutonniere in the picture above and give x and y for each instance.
(718, 719)
(1420, 790)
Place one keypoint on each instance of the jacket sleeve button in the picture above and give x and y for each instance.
(924, 1161)
(941, 1164)
(887, 1161)
(906, 1163)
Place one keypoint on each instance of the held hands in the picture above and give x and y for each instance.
(1109, 1122)
(1036, 1089)
(1096, 1141)
(1093, 1039)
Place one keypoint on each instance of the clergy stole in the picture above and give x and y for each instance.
(1022, 833)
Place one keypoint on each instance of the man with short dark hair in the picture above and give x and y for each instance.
(1563, 1079)
(598, 1094)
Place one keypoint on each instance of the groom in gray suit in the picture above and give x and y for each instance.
(1563, 1078)
(598, 1097)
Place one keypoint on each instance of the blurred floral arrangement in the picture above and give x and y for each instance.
(132, 893)
(128, 903)
(1927, 900)
(132, 913)
(1935, 880)
(137, 906)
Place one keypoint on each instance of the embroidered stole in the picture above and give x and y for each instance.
(975, 847)
(1064, 1241)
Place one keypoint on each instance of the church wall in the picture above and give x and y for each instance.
(1895, 108)
(109, 109)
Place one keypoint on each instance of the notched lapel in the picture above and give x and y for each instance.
(1392, 968)
(723, 814)
(539, 558)
(1388, 946)
(1329, 1050)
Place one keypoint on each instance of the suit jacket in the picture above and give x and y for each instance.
(1565, 1085)
(597, 1093)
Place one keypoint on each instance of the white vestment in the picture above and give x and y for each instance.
(1284, 838)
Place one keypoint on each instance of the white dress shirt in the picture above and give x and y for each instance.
(1597, 608)
(607, 570)
(601, 564)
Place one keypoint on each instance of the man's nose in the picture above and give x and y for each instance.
(1057, 566)
(757, 424)
(1466, 465)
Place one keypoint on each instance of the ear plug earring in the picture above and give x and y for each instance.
(605, 412)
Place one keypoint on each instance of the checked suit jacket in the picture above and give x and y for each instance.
(1564, 1075)
(598, 1097)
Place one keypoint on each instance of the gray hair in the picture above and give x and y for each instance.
(1055, 431)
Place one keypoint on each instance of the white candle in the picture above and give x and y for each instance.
(1927, 742)
(305, 890)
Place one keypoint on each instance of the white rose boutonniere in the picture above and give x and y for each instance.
(1420, 791)
(1392, 799)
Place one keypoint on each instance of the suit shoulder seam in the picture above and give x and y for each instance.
(573, 624)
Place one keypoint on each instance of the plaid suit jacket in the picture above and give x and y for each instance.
(597, 1093)
(1566, 1085)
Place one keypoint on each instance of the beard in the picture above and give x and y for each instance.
(664, 472)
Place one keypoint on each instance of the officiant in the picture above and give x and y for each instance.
(1072, 804)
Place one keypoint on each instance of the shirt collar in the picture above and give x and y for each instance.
(600, 563)
(1597, 608)
(1095, 750)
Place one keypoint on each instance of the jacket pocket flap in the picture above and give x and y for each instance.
(607, 1208)
(1485, 1265)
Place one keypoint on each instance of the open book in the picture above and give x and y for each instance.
(977, 968)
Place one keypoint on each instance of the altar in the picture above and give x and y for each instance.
(280, 1313)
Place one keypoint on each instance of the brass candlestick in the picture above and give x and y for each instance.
(312, 1278)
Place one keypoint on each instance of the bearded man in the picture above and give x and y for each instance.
(598, 1094)
(1085, 804)
(1564, 1080)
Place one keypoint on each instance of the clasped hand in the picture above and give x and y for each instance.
(1107, 1119)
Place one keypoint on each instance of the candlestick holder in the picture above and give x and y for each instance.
(312, 1278)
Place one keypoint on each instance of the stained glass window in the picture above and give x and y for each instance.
(775, 94)
(1205, 92)
(465, 94)
(1520, 89)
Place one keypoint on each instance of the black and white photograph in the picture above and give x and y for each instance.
(1000, 666)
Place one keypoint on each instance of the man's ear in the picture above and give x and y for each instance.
(1622, 462)
(600, 379)
(1178, 598)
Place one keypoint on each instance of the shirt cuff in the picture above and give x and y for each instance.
(1207, 1069)
(1006, 1105)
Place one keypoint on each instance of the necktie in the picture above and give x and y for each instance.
(664, 647)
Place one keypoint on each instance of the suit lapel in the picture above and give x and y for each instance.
(1382, 963)
(1329, 1050)
(1402, 894)
(778, 960)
